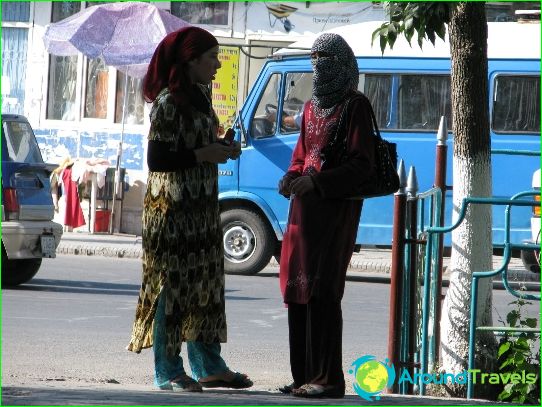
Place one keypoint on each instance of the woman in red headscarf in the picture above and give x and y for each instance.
(182, 292)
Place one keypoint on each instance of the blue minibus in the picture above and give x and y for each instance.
(409, 88)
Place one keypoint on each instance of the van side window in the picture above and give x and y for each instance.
(264, 122)
(378, 89)
(297, 90)
(423, 99)
(516, 104)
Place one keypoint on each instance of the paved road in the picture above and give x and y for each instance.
(68, 328)
(81, 309)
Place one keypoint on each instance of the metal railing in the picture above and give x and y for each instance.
(415, 291)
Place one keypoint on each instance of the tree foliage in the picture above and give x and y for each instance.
(427, 19)
(466, 26)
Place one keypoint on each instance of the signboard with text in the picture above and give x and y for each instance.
(225, 86)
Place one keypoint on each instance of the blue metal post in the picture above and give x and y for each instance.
(472, 333)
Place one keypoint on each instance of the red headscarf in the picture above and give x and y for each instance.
(168, 64)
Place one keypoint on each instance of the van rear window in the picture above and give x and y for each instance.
(20, 142)
(516, 104)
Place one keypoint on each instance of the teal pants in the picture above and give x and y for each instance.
(204, 358)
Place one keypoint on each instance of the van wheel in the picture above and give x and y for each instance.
(16, 272)
(249, 241)
(531, 260)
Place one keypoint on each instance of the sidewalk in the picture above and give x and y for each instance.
(115, 394)
(370, 263)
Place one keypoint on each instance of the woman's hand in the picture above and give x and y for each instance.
(236, 146)
(217, 153)
(284, 185)
(302, 185)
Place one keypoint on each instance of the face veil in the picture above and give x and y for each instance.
(335, 70)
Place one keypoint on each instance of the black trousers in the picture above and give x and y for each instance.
(315, 332)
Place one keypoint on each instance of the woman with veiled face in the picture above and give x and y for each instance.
(332, 160)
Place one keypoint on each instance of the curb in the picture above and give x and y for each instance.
(357, 264)
(369, 270)
(135, 253)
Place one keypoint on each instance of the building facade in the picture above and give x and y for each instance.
(75, 104)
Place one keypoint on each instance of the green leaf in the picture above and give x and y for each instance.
(383, 42)
(507, 362)
(375, 34)
(409, 23)
(503, 348)
(503, 396)
(509, 388)
(441, 31)
(512, 318)
(531, 322)
(522, 344)
(431, 36)
(519, 358)
(392, 34)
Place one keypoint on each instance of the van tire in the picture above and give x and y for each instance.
(249, 241)
(19, 271)
(531, 260)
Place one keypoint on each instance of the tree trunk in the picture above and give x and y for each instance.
(472, 241)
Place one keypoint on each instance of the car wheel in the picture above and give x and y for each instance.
(531, 260)
(249, 241)
(19, 271)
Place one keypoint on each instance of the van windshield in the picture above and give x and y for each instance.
(20, 143)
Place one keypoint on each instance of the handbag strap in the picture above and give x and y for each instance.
(373, 119)
(344, 113)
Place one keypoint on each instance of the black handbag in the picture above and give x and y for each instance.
(386, 180)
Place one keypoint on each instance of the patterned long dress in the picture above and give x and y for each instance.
(182, 238)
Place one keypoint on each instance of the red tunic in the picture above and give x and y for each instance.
(321, 233)
(74, 214)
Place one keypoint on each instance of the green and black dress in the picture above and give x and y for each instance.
(182, 238)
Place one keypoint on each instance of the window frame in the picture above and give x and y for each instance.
(256, 105)
(219, 26)
(492, 95)
(80, 96)
(397, 82)
(280, 106)
(28, 25)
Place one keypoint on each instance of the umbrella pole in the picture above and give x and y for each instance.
(116, 183)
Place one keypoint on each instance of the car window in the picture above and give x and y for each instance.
(264, 122)
(377, 88)
(297, 91)
(21, 144)
(516, 104)
(423, 99)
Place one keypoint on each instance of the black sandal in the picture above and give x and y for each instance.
(317, 391)
(240, 381)
(287, 388)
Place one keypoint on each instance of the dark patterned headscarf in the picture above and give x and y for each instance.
(168, 64)
(334, 76)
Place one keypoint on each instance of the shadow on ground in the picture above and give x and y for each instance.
(104, 395)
